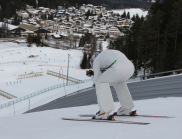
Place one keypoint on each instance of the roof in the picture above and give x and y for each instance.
(28, 27)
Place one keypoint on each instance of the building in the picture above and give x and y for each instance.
(30, 29)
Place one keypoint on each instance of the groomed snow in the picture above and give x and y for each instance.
(132, 11)
(56, 58)
(2, 98)
(48, 124)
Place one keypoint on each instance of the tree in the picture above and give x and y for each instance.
(88, 61)
(87, 14)
(100, 15)
(38, 39)
(100, 46)
(175, 33)
(144, 43)
(67, 18)
(128, 15)
(124, 14)
(46, 36)
(83, 63)
(30, 39)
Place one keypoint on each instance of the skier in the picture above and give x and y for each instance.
(111, 67)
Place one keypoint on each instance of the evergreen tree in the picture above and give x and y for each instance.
(30, 39)
(83, 64)
(101, 15)
(124, 14)
(88, 61)
(46, 36)
(175, 33)
(144, 44)
(38, 39)
(128, 15)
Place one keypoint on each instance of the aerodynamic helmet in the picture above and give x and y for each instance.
(93, 58)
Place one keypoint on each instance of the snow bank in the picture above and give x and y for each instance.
(48, 124)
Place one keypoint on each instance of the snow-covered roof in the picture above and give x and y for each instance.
(10, 27)
(29, 31)
(56, 35)
(21, 41)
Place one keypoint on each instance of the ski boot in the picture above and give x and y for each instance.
(133, 113)
(103, 116)
(123, 111)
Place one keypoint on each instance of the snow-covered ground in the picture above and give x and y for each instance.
(56, 58)
(48, 124)
(132, 11)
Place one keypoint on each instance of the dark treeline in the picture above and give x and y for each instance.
(88, 38)
(4, 31)
(85, 63)
(154, 42)
(34, 39)
(8, 7)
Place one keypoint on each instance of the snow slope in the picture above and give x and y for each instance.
(56, 58)
(132, 11)
(48, 125)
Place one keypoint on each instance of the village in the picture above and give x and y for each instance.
(64, 27)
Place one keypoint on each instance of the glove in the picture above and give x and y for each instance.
(89, 73)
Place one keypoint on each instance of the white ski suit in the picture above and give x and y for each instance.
(116, 75)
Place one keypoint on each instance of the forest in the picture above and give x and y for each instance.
(154, 43)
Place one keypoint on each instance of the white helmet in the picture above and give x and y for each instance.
(93, 58)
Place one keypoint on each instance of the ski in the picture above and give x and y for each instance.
(150, 116)
(108, 121)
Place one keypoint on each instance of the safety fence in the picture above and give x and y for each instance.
(155, 75)
(40, 92)
(160, 74)
(7, 95)
(10, 62)
(63, 76)
(30, 75)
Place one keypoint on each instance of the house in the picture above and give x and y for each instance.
(100, 37)
(78, 23)
(24, 15)
(114, 32)
(85, 30)
(56, 36)
(29, 7)
(123, 22)
(30, 29)
(103, 30)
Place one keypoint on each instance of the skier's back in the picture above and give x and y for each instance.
(117, 68)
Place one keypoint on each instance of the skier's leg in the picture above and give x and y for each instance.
(124, 95)
(104, 97)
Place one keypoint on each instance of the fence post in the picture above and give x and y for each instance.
(14, 107)
(173, 72)
(140, 77)
(29, 105)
